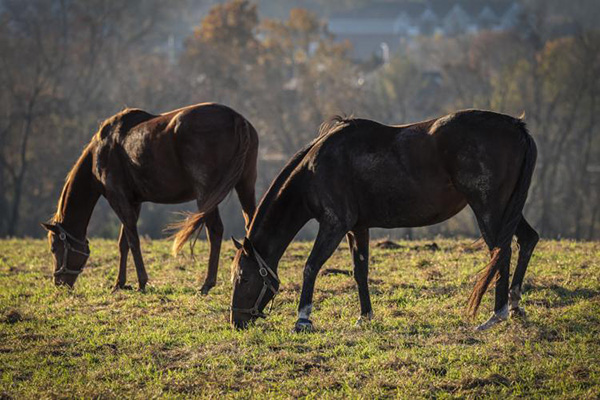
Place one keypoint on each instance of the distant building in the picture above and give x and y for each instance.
(384, 25)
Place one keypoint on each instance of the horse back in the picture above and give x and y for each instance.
(416, 174)
(171, 157)
(484, 153)
(481, 148)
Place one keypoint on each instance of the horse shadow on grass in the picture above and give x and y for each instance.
(564, 296)
(566, 323)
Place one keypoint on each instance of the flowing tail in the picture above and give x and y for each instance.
(195, 221)
(510, 220)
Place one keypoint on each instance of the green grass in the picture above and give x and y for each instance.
(171, 342)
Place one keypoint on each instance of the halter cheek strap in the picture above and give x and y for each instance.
(266, 273)
(66, 238)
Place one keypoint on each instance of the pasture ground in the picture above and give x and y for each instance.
(171, 342)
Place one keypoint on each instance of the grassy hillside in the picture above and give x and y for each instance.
(171, 342)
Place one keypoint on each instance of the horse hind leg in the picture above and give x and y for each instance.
(245, 189)
(490, 221)
(527, 238)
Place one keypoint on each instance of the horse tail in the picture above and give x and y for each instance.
(195, 221)
(510, 220)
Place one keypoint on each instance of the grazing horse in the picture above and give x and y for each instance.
(358, 174)
(199, 152)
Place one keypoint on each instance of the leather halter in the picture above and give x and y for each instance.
(264, 271)
(65, 237)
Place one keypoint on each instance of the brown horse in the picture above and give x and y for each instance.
(360, 174)
(200, 152)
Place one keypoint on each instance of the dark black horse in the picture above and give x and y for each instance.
(360, 174)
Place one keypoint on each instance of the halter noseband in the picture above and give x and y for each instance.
(64, 237)
(264, 271)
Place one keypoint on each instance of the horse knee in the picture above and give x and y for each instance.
(309, 271)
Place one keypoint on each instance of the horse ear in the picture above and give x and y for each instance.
(247, 246)
(237, 244)
(49, 227)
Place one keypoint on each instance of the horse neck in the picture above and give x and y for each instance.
(79, 197)
(278, 224)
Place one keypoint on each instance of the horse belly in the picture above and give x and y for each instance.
(404, 203)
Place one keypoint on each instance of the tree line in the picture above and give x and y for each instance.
(68, 65)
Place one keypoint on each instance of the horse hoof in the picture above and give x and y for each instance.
(496, 318)
(364, 319)
(303, 325)
(118, 287)
(486, 325)
(518, 313)
(205, 289)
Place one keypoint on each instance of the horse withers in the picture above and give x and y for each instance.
(358, 174)
(200, 153)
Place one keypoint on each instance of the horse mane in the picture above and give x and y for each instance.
(333, 123)
(278, 183)
(58, 215)
(124, 120)
(327, 127)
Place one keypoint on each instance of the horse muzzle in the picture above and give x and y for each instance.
(65, 280)
(240, 320)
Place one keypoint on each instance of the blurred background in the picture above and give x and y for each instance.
(288, 65)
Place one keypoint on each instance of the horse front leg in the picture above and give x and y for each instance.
(214, 233)
(327, 240)
(128, 214)
(124, 251)
(358, 241)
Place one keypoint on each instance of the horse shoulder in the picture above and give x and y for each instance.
(120, 124)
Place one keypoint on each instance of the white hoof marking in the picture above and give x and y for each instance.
(304, 312)
(497, 317)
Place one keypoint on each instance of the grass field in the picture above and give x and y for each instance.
(170, 342)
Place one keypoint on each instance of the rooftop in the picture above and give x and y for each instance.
(392, 9)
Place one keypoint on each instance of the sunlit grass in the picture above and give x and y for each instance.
(175, 343)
